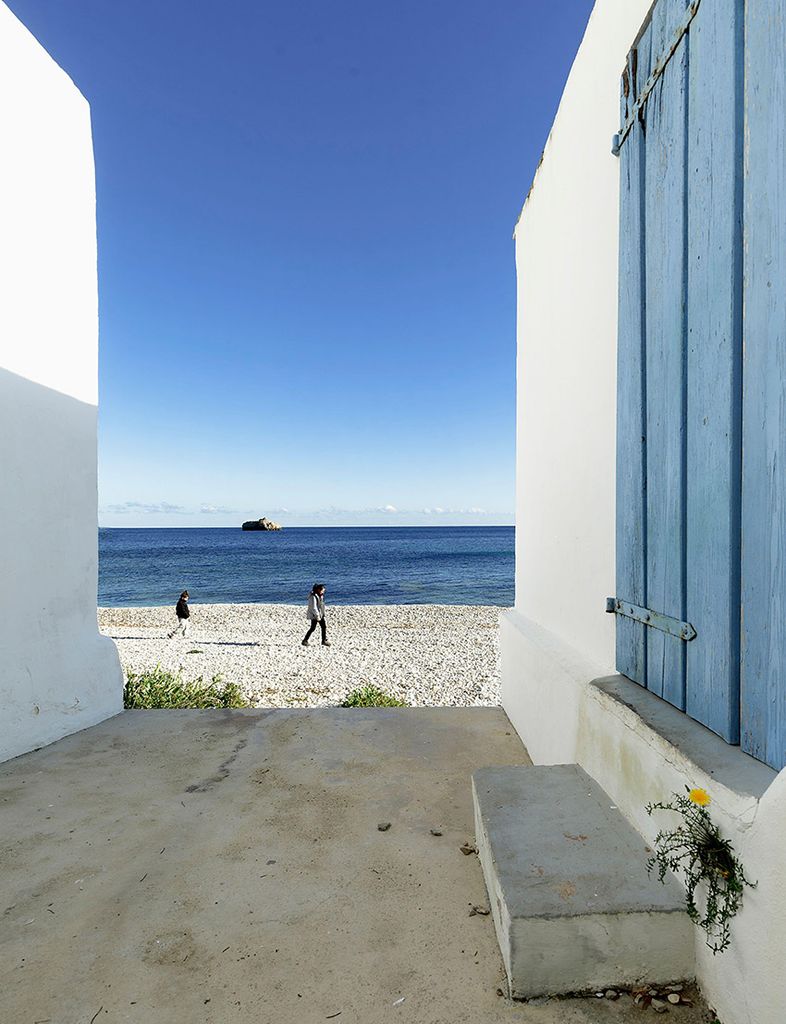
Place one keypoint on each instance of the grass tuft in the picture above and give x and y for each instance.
(370, 696)
(158, 688)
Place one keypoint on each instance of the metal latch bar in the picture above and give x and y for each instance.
(682, 630)
(657, 71)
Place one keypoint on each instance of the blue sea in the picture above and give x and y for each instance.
(359, 565)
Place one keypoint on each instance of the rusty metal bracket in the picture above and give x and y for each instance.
(674, 627)
(657, 71)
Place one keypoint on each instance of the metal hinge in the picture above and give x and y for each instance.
(674, 627)
(657, 71)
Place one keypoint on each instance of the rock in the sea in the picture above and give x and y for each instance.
(261, 524)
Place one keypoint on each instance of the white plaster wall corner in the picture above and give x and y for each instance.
(748, 983)
(542, 681)
(59, 674)
(635, 765)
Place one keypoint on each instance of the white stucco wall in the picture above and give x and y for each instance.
(566, 256)
(558, 637)
(57, 674)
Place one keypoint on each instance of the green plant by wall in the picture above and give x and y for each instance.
(158, 688)
(370, 696)
(696, 849)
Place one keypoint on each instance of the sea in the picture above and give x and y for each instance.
(462, 565)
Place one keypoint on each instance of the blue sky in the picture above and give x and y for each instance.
(306, 270)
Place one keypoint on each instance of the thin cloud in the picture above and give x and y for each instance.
(145, 508)
(331, 512)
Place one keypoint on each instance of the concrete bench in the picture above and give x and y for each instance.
(573, 905)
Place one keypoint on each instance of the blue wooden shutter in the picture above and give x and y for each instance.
(679, 390)
(764, 406)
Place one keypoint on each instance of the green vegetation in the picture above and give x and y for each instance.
(158, 688)
(370, 696)
(696, 852)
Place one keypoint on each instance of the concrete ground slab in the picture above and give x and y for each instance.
(213, 867)
(574, 906)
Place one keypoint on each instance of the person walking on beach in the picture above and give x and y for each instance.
(316, 614)
(183, 614)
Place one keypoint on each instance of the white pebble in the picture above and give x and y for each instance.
(426, 655)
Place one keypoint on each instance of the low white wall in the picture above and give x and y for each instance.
(558, 637)
(636, 765)
(542, 680)
(57, 674)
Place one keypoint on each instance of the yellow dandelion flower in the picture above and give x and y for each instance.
(700, 797)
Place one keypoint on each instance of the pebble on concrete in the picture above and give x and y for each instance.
(383, 826)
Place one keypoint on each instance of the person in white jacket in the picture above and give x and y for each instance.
(316, 614)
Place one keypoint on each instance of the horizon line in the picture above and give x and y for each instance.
(331, 526)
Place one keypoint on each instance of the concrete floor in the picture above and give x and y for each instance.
(203, 867)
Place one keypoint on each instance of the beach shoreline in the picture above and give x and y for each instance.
(426, 655)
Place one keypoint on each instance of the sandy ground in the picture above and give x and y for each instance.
(225, 867)
(427, 655)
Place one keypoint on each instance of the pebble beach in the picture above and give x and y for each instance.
(426, 655)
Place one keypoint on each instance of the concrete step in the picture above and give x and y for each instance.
(573, 905)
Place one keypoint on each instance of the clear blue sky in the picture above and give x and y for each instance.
(307, 281)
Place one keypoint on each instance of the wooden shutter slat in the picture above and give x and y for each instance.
(763, 679)
(714, 365)
(665, 235)
(631, 384)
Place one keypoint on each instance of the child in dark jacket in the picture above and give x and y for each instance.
(183, 614)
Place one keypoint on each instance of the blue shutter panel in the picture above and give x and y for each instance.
(679, 360)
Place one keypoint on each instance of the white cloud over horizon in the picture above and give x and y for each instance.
(144, 508)
(148, 513)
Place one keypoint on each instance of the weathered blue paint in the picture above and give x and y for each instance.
(665, 213)
(764, 401)
(631, 111)
(714, 350)
(701, 485)
(680, 298)
(631, 378)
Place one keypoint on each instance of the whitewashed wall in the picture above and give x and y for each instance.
(57, 674)
(558, 637)
(566, 257)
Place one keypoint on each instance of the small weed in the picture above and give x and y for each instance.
(370, 696)
(158, 688)
(696, 851)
